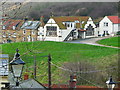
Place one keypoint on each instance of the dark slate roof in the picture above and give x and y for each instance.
(17, 61)
(31, 25)
(30, 83)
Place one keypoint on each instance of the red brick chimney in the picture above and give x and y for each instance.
(32, 19)
(73, 81)
(26, 76)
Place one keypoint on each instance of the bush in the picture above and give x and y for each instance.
(118, 33)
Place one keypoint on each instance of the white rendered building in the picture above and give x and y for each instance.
(109, 25)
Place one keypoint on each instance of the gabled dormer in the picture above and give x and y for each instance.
(69, 24)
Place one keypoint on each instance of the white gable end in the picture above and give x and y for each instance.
(105, 19)
(106, 26)
(90, 21)
(51, 21)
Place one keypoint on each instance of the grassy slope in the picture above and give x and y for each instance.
(61, 53)
(113, 41)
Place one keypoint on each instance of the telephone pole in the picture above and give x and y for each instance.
(34, 67)
(49, 71)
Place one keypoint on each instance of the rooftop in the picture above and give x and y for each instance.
(67, 86)
(10, 23)
(61, 19)
(114, 19)
(31, 25)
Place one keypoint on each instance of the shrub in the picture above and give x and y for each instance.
(118, 33)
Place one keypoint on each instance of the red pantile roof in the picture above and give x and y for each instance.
(6, 22)
(10, 23)
(67, 86)
(118, 20)
(114, 19)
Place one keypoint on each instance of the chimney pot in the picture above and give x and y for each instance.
(26, 76)
(72, 82)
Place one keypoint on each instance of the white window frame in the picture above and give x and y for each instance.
(105, 24)
(14, 27)
(24, 38)
(3, 27)
(24, 31)
(33, 32)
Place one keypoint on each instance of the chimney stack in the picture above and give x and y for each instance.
(32, 19)
(41, 21)
(26, 76)
(73, 81)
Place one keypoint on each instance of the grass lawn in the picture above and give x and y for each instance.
(113, 41)
(60, 52)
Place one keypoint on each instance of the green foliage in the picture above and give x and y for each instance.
(113, 41)
(118, 33)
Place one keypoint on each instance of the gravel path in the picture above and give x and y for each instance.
(92, 41)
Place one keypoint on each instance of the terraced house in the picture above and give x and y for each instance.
(19, 30)
(11, 31)
(66, 28)
(30, 30)
(62, 28)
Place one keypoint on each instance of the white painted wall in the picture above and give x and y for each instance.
(40, 33)
(115, 28)
(61, 33)
(90, 21)
(111, 28)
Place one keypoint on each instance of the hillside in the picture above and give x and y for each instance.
(94, 9)
(87, 61)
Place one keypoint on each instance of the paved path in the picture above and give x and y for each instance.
(92, 41)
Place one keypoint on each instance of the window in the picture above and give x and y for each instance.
(3, 27)
(76, 21)
(65, 24)
(24, 39)
(51, 31)
(106, 24)
(4, 62)
(68, 25)
(71, 24)
(33, 32)
(98, 32)
(74, 25)
(13, 27)
(24, 31)
(74, 33)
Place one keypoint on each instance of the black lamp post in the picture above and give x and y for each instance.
(110, 83)
(17, 66)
